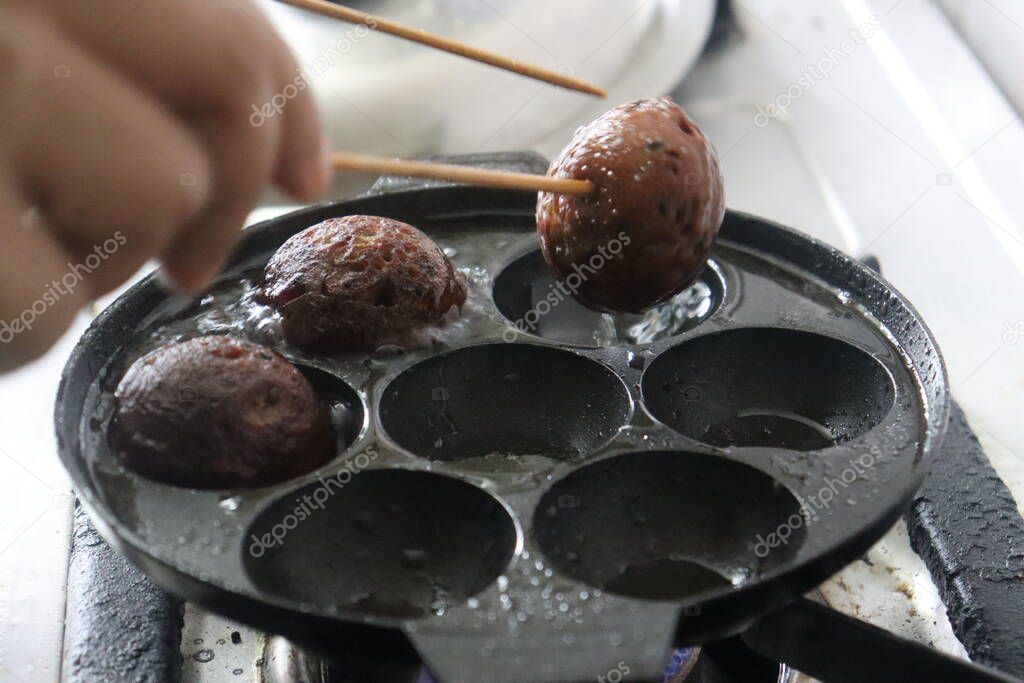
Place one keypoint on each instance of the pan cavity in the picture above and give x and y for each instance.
(667, 525)
(768, 387)
(530, 297)
(504, 401)
(392, 543)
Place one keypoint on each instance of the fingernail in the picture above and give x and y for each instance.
(177, 288)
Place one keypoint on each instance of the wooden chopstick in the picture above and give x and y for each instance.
(453, 46)
(366, 163)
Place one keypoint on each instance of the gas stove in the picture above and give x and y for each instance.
(890, 107)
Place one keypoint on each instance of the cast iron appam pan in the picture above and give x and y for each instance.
(542, 492)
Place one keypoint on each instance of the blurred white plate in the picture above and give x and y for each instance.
(385, 95)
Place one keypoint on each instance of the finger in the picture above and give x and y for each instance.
(242, 158)
(235, 63)
(218, 58)
(42, 292)
(303, 165)
(111, 261)
(97, 156)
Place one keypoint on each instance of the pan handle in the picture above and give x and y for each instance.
(836, 648)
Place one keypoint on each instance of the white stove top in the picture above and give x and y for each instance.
(906, 150)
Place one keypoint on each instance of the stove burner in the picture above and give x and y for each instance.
(283, 662)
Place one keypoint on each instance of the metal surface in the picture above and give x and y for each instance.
(839, 649)
(966, 525)
(962, 507)
(777, 282)
(283, 662)
(725, 662)
(120, 627)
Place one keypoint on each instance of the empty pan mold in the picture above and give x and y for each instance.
(384, 542)
(504, 399)
(768, 387)
(665, 525)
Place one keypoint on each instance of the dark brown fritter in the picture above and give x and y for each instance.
(216, 412)
(645, 234)
(358, 282)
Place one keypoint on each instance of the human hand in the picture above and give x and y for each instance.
(125, 135)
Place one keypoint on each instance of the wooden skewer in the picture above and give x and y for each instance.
(455, 47)
(366, 163)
